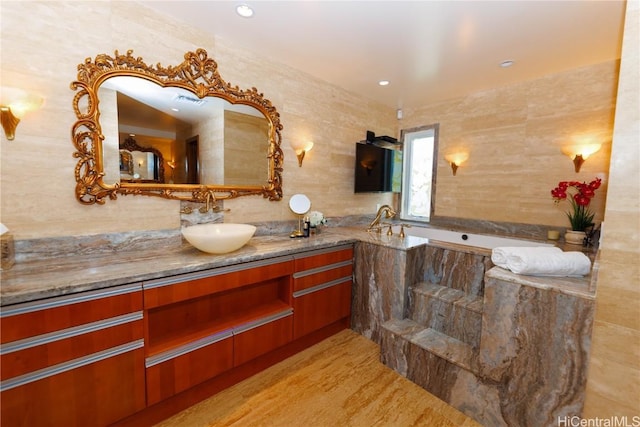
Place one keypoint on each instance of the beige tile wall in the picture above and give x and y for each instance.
(613, 387)
(514, 135)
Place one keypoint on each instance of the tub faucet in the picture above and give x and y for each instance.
(385, 210)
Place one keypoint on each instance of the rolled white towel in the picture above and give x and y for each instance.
(501, 255)
(564, 264)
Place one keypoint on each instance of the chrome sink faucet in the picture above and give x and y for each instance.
(385, 210)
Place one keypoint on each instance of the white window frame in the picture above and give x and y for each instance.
(409, 136)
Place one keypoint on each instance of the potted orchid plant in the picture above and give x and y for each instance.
(579, 195)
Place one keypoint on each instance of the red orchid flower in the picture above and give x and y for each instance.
(579, 216)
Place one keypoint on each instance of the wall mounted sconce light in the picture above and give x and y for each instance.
(579, 153)
(14, 103)
(456, 159)
(301, 149)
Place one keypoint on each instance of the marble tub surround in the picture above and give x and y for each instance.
(379, 290)
(503, 229)
(535, 347)
(537, 232)
(505, 349)
(390, 280)
(445, 371)
(441, 325)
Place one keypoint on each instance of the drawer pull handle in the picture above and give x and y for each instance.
(262, 321)
(321, 286)
(69, 332)
(29, 307)
(187, 348)
(311, 271)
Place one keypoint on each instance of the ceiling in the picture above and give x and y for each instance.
(428, 50)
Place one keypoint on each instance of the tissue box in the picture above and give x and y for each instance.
(7, 253)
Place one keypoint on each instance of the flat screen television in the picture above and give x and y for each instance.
(377, 169)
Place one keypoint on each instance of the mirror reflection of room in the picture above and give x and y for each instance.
(196, 141)
(141, 163)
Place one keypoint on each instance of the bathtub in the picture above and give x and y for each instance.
(468, 239)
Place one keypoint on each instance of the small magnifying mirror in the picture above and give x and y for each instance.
(299, 204)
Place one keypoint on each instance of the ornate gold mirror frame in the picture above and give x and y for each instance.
(197, 74)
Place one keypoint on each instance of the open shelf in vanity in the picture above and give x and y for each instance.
(160, 342)
(174, 325)
(199, 325)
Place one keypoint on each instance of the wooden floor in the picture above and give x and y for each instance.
(338, 382)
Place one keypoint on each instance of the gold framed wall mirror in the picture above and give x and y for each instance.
(177, 132)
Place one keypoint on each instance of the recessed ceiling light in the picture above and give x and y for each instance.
(244, 11)
(175, 109)
(383, 82)
(506, 63)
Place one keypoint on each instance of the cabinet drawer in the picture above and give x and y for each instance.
(310, 278)
(34, 318)
(320, 306)
(322, 257)
(87, 391)
(177, 370)
(257, 338)
(35, 353)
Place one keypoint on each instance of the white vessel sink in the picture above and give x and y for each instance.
(218, 238)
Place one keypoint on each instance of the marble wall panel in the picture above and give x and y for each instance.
(535, 343)
(379, 290)
(456, 269)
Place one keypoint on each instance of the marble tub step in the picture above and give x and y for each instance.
(448, 311)
(437, 343)
(450, 295)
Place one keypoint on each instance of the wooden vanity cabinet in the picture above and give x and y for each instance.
(322, 289)
(199, 325)
(127, 354)
(73, 360)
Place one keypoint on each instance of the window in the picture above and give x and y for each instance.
(419, 172)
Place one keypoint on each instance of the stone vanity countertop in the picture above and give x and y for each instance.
(56, 276)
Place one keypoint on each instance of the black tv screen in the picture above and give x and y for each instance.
(377, 169)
